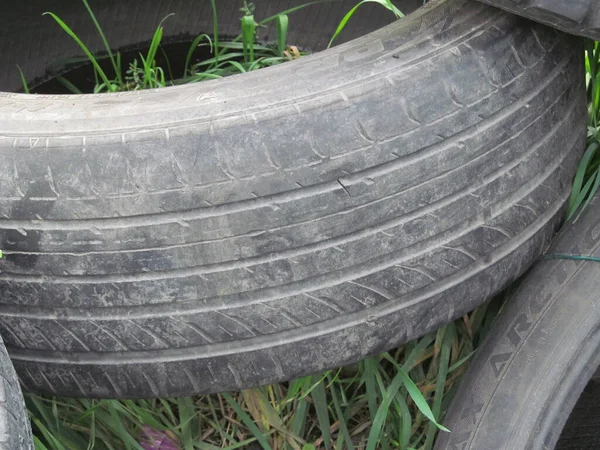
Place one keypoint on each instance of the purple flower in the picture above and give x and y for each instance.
(152, 439)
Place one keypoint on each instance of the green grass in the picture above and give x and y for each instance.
(385, 3)
(239, 55)
(587, 179)
(391, 401)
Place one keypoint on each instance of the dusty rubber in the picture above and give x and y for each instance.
(540, 354)
(255, 229)
(15, 429)
(578, 17)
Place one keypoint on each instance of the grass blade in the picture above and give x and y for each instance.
(213, 5)
(239, 67)
(104, 41)
(38, 445)
(371, 367)
(245, 418)
(192, 49)
(169, 70)
(460, 362)
(405, 421)
(385, 3)
(187, 414)
(344, 436)
(419, 400)
(156, 40)
(291, 10)
(593, 190)
(83, 47)
(282, 32)
(319, 398)
(576, 199)
(298, 423)
(66, 83)
(382, 412)
(50, 438)
(23, 81)
(248, 34)
(440, 385)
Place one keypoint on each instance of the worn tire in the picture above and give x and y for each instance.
(538, 357)
(579, 17)
(266, 226)
(15, 429)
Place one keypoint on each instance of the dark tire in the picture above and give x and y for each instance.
(582, 430)
(255, 229)
(579, 17)
(15, 429)
(540, 354)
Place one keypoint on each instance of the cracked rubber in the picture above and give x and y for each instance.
(578, 17)
(544, 348)
(255, 229)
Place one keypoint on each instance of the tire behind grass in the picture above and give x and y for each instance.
(538, 357)
(255, 229)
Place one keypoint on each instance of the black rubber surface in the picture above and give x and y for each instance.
(15, 429)
(579, 17)
(254, 229)
(582, 430)
(539, 356)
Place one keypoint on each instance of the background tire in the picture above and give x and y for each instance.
(581, 17)
(582, 430)
(542, 351)
(255, 229)
(15, 429)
